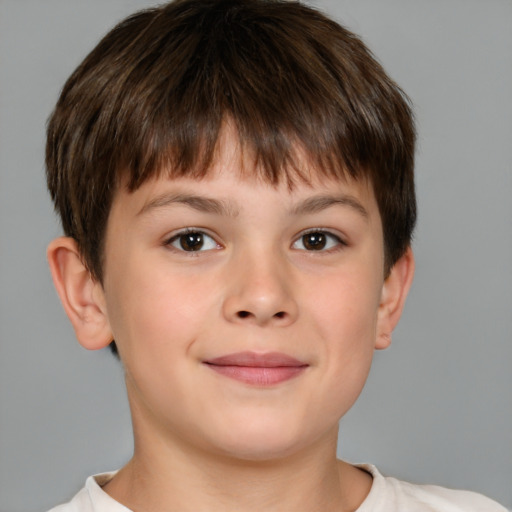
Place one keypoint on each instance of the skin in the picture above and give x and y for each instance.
(205, 441)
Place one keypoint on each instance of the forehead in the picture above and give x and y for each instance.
(236, 160)
(281, 158)
(230, 190)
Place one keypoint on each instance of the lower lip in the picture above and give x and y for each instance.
(259, 376)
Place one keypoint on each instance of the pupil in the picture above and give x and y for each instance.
(315, 241)
(191, 241)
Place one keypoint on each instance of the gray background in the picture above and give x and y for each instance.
(437, 407)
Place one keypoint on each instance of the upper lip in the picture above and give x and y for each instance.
(256, 360)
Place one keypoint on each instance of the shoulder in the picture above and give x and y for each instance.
(80, 503)
(92, 498)
(389, 493)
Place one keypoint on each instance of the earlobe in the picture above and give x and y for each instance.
(81, 296)
(394, 292)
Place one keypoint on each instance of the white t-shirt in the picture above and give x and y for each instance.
(386, 495)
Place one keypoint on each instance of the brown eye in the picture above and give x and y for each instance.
(318, 241)
(315, 241)
(192, 241)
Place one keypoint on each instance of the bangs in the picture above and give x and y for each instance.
(243, 67)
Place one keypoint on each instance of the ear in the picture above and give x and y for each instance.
(82, 297)
(394, 292)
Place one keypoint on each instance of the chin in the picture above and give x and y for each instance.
(263, 442)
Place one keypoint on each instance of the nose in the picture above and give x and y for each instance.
(260, 292)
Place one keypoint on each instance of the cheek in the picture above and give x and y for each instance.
(345, 321)
(151, 306)
(345, 309)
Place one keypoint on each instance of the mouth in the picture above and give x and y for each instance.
(257, 369)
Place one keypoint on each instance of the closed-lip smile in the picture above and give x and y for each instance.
(257, 369)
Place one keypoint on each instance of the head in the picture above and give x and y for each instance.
(233, 175)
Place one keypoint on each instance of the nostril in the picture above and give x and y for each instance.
(243, 314)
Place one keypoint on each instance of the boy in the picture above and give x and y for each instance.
(235, 180)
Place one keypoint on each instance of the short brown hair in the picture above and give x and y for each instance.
(154, 93)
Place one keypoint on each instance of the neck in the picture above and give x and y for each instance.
(163, 478)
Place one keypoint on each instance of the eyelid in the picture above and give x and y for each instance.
(175, 235)
(341, 242)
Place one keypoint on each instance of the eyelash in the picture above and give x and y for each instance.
(190, 231)
(339, 243)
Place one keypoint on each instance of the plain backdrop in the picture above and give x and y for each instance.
(437, 407)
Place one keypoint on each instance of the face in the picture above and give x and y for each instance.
(245, 314)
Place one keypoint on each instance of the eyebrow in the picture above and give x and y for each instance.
(228, 208)
(320, 203)
(199, 203)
